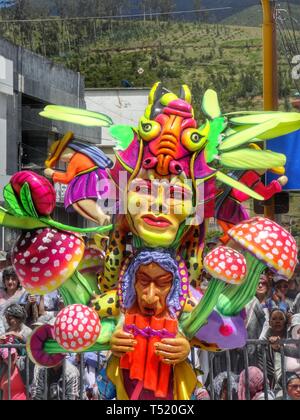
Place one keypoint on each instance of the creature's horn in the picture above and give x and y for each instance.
(186, 94)
(154, 107)
(210, 104)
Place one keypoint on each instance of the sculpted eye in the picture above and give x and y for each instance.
(147, 128)
(195, 137)
(193, 140)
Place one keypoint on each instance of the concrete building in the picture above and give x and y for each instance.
(124, 105)
(28, 83)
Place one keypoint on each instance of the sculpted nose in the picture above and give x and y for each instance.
(150, 297)
(150, 163)
(175, 167)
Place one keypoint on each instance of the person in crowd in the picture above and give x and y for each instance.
(11, 293)
(270, 275)
(48, 383)
(293, 289)
(11, 286)
(278, 326)
(296, 305)
(255, 385)
(15, 316)
(34, 307)
(15, 388)
(92, 364)
(16, 333)
(257, 311)
(5, 262)
(53, 303)
(293, 387)
(291, 351)
(221, 386)
(279, 297)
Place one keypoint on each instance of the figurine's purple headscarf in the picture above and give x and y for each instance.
(166, 261)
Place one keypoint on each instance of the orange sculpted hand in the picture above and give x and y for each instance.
(173, 350)
(122, 343)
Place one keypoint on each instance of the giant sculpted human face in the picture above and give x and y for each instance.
(157, 209)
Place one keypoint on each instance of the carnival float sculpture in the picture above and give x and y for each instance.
(171, 174)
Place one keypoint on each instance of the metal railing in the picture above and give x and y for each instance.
(261, 353)
(261, 350)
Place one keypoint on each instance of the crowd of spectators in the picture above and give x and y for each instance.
(271, 317)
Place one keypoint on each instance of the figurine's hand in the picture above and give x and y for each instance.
(173, 350)
(48, 172)
(122, 343)
(283, 180)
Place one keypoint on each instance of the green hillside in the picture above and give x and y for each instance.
(137, 53)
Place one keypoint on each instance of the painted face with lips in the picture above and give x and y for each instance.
(157, 209)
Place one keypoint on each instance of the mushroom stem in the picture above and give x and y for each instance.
(103, 343)
(76, 289)
(234, 298)
(192, 324)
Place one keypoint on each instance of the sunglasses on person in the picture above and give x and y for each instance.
(294, 387)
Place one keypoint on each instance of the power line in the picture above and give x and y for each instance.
(138, 15)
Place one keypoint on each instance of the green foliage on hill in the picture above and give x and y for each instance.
(107, 53)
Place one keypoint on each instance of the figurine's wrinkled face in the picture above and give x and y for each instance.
(157, 209)
(153, 285)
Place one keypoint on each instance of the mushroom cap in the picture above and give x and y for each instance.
(227, 265)
(45, 258)
(269, 242)
(77, 328)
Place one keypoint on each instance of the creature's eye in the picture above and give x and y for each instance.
(195, 137)
(193, 140)
(149, 129)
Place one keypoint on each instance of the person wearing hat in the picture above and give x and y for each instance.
(279, 298)
(15, 316)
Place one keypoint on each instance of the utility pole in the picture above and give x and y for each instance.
(270, 65)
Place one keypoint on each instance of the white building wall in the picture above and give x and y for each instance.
(6, 89)
(124, 106)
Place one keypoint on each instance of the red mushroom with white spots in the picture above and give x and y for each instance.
(266, 245)
(226, 264)
(46, 258)
(228, 267)
(77, 328)
(269, 242)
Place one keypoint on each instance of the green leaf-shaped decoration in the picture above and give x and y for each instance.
(26, 199)
(210, 104)
(217, 126)
(123, 134)
(19, 222)
(261, 117)
(245, 159)
(238, 185)
(12, 201)
(247, 135)
(76, 116)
